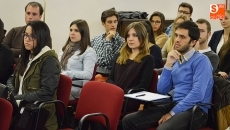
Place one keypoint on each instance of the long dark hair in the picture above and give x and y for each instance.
(162, 17)
(85, 36)
(148, 27)
(41, 32)
(223, 51)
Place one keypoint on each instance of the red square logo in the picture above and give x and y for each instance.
(217, 11)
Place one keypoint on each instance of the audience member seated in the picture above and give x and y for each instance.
(202, 45)
(154, 49)
(220, 37)
(169, 43)
(185, 9)
(77, 57)
(133, 66)
(158, 19)
(37, 74)
(108, 44)
(13, 39)
(6, 58)
(224, 63)
(192, 81)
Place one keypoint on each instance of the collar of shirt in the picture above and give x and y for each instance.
(187, 56)
(104, 35)
(205, 50)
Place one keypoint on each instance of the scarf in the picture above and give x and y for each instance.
(68, 52)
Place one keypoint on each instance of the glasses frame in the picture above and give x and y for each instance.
(183, 12)
(30, 37)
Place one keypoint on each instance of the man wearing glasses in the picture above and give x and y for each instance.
(13, 40)
(184, 8)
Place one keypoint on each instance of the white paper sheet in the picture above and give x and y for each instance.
(146, 96)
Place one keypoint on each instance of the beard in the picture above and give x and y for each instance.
(184, 48)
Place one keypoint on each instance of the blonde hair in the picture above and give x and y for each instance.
(172, 38)
(142, 35)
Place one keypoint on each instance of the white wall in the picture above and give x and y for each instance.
(60, 13)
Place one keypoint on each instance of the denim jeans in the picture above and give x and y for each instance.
(148, 118)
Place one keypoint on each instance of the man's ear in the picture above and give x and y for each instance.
(103, 24)
(209, 34)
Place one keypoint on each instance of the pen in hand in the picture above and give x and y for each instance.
(140, 95)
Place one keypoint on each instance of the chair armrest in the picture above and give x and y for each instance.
(59, 113)
(195, 108)
(91, 115)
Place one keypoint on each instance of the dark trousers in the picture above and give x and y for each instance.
(148, 118)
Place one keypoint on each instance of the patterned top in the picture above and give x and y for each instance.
(106, 50)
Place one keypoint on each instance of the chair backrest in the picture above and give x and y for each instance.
(153, 85)
(6, 111)
(63, 90)
(101, 97)
(94, 72)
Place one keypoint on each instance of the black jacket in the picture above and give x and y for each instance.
(6, 63)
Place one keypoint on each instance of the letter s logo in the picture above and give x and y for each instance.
(214, 8)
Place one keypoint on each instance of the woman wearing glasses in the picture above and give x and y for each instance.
(157, 20)
(36, 76)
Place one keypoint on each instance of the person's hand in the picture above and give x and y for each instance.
(110, 35)
(172, 57)
(164, 118)
(223, 74)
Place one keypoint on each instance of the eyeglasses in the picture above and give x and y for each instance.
(30, 37)
(155, 22)
(183, 12)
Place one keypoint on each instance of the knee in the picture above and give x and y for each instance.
(127, 122)
(164, 127)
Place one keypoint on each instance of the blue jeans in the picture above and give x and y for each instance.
(148, 118)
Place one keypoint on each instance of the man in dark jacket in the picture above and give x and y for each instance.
(13, 39)
(6, 58)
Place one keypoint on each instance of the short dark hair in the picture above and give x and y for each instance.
(201, 21)
(186, 5)
(162, 17)
(35, 4)
(148, 27)
(108, 13)
(193, 30)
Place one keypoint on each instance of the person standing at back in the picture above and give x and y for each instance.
(108, 44)
(14, 39)
(184, 8)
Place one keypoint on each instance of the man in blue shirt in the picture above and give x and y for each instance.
(189, 73)
(185, 9)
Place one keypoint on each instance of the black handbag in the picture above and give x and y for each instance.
(32, 116)
(6, 94)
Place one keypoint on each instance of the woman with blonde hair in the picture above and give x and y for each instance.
(134, 65)
(169, 43)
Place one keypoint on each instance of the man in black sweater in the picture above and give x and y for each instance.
(6, 58)
(202, 47)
